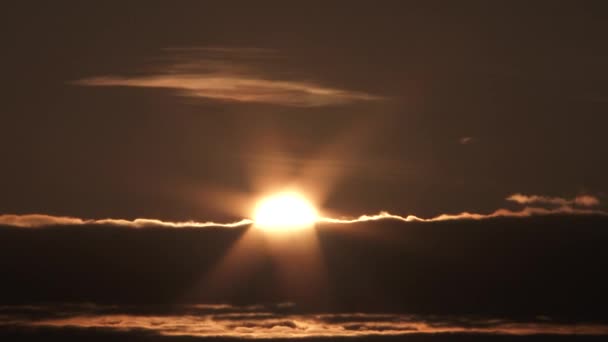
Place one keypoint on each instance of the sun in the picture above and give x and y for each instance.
(285, 211)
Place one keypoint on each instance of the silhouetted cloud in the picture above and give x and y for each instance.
(232, 74)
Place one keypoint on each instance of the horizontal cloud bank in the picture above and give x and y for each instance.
(41, 220)
(274, 322)
(565, 208)
(230, 74)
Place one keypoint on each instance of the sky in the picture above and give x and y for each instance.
(454, 154)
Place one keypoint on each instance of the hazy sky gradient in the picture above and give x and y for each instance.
(526, 83)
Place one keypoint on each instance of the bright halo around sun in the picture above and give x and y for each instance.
(285, 211)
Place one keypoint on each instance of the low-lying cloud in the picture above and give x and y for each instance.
(235, 75)
(274, 322)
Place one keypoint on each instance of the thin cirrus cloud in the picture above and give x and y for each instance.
(581, 200)
(564, 207)
(233, 75)
(274, 322)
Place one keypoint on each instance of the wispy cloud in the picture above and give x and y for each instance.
(582, 200)
(41, 220)
(563, 207)
(525, 212)
(231, 74)
(268, 322)
(466, 140)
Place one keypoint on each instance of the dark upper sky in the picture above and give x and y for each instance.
(447, 107)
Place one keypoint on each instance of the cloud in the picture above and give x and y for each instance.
(565, 207)
(267, 322)
(582, 200)
(235, 75)
(41, 220)
(364, 218)
(525, 212)
(586, 201)
(466, 140)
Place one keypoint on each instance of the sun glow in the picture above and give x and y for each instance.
(286, 210)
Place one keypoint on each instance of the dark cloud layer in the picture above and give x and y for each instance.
(68, 334)
(500, 267)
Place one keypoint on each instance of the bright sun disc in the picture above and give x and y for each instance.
(286, 210)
